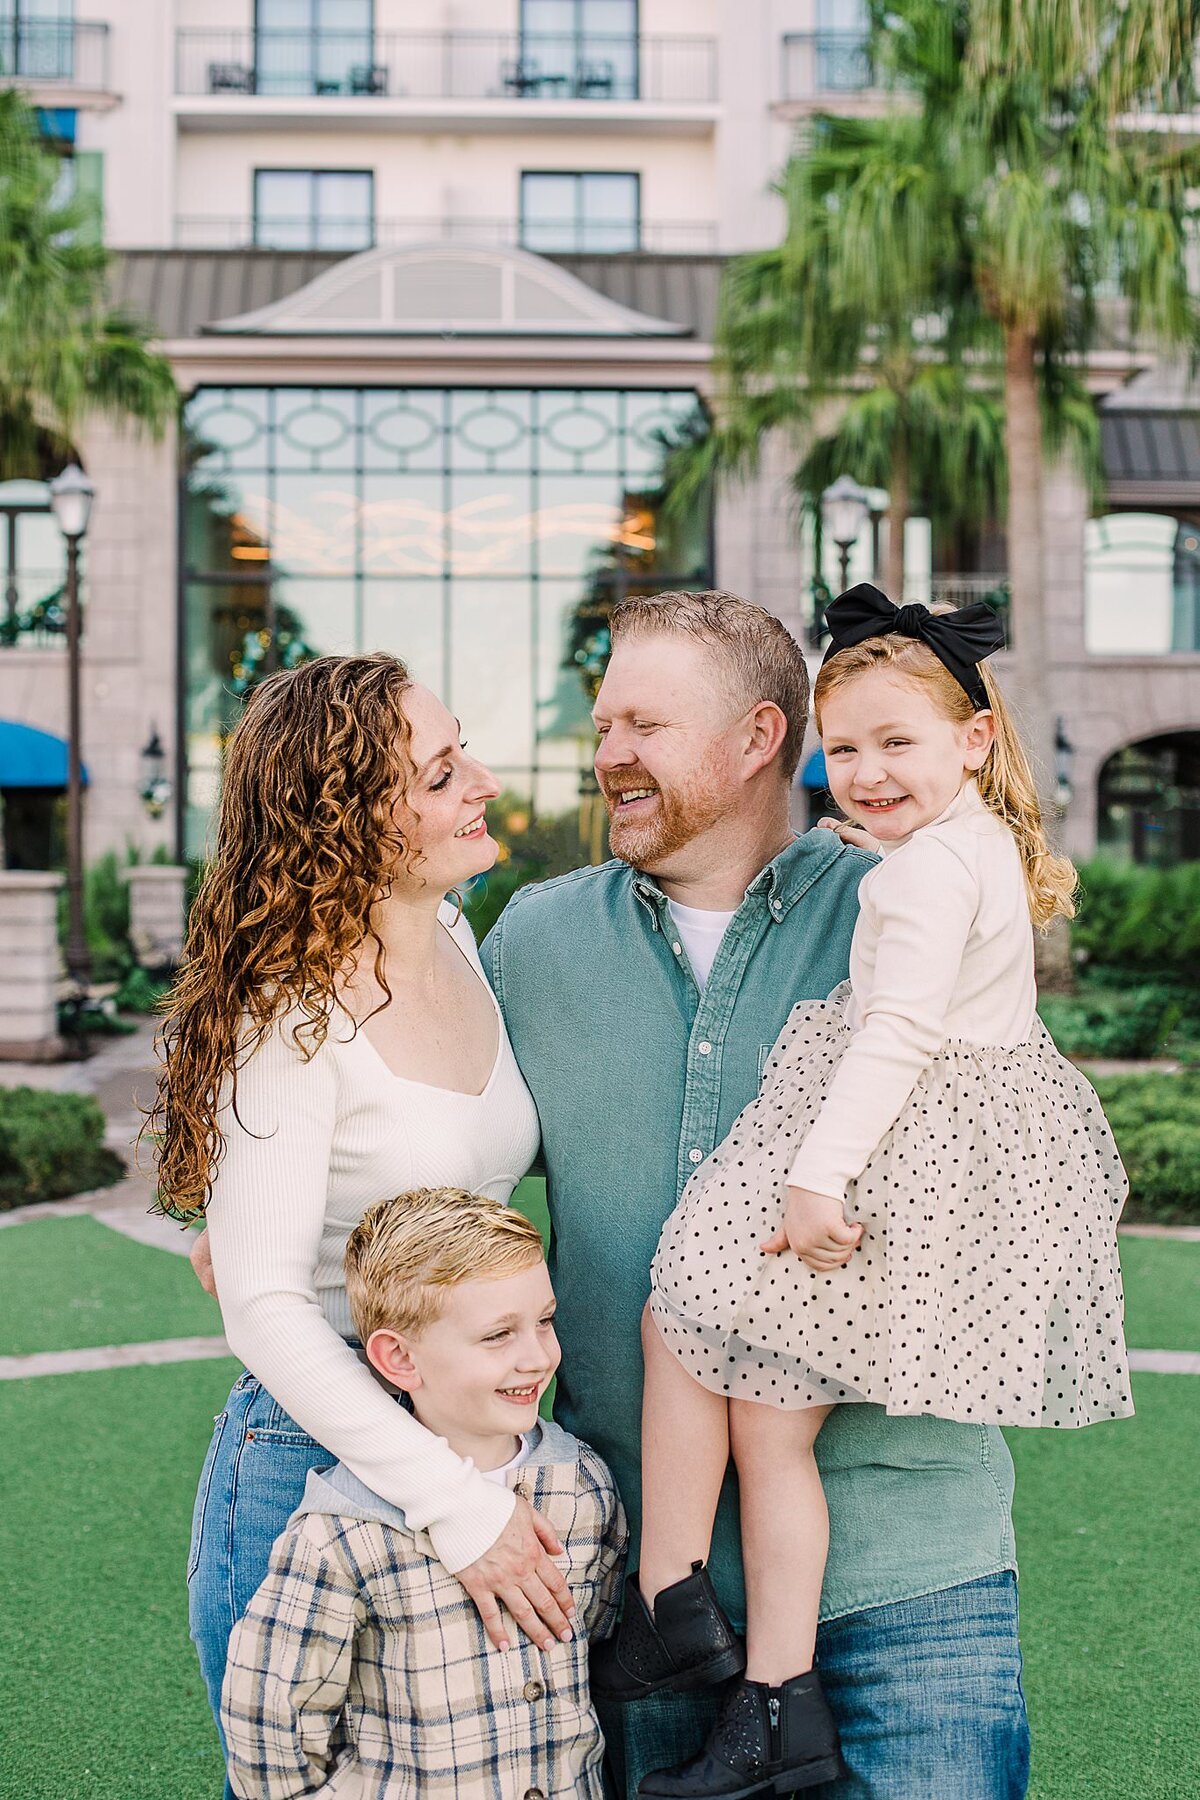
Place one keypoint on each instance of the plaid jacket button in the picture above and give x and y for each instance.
(534, 1794)
(533, 1690)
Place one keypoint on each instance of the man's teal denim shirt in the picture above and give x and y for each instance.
(637, 1076)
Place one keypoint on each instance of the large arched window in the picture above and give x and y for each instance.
(1142, 584)
(483, 534)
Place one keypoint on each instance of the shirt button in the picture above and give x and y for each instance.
(678, 949)
(777, 909)
(533, 1690)
(695, 1156)
(705, 1049)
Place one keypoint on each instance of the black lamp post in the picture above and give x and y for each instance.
(71, 501)
(845, 509)
(1064, 767)
(155, 787)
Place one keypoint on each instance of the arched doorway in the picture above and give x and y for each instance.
(1149, 801)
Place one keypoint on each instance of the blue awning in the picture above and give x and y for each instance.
(30, 758)
(813, 776)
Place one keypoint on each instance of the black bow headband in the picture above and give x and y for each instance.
(959, 639)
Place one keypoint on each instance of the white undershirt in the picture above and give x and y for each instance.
(523, 1453)
(700, 933)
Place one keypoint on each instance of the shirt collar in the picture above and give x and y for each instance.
(780, 884)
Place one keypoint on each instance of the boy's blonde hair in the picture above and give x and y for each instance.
(1006, 784)
(403, 1252)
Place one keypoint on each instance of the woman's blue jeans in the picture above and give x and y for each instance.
(927, 1695)
(252, 1481)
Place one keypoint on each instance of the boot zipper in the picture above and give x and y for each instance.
(773, 1716)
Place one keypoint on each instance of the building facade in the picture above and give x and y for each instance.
(439, 282)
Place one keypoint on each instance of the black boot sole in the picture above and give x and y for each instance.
(713, 1673)
(792, 1781)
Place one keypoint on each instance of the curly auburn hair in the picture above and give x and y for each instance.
(307, 844)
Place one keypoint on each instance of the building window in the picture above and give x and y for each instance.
(1149, 801)
(1142, 583)
(315, 47)
(314, 209)
(582, 48)
(37, 39)
(580, 212)
(482, 534)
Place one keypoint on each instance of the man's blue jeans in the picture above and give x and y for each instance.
(927, 1695)
(253, 1480)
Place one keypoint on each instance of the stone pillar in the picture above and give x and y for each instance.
(29, 966)
(157, 918)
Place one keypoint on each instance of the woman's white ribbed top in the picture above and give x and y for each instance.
(314, 1145)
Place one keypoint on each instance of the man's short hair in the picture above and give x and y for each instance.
(763, 659)
(404, 1253)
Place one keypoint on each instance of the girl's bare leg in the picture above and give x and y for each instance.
(785, 1535)
(685, 1451)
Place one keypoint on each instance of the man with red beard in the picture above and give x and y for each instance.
(642, 998)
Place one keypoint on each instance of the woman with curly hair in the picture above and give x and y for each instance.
(331, 1041)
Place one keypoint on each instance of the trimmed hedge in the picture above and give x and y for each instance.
(51, 1146)
(1156, 1122)
(1138, 919)
(1108, 1018)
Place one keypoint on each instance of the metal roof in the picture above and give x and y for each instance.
(180, 292)
(1152, 455)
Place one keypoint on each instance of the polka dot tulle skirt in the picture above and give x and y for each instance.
(986, 1287)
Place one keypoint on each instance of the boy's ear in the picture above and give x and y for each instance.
(388, 1353)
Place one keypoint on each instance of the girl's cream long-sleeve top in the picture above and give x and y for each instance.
(314, 1144)
(943, 949)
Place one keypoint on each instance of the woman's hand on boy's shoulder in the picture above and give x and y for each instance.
(518, 1574)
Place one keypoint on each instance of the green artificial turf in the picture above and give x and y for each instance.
(1162, 1293)
(1110, 1599)
(100, 1694)
(66, 1284)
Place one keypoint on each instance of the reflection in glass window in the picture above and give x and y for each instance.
(587, 49)
(313, 46)
(481, 534)
(1142, 584)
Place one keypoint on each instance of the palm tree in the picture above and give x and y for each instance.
(64, 352)
(1063, 206)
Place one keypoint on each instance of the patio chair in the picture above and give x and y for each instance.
(368, 78)
(230, 78)
(522, 77)
(595, 81)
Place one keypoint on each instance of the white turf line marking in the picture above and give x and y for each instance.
(112, 1356)
(201, 1349)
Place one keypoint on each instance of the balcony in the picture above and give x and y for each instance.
(56, 62)
(241, 76)
(347, 235)
(828, 71)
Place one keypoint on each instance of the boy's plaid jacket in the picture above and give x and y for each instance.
(361, 1670)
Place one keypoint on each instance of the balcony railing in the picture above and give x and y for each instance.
(826, 63)
(198, 232)
(37, 51)
(445, 66)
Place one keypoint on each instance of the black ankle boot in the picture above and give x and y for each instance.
(686, 1642)
(766, 1740)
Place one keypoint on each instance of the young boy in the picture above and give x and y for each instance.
(361, 1670)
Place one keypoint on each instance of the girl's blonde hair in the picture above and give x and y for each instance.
(1006, 784)
(307, 844)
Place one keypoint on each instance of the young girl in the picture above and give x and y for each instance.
(918, 1210)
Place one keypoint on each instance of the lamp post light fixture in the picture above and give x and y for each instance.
(71, 496)
(155, 787)
(1064, 764)
(845, 509)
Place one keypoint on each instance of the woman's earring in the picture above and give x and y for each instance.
(458, 900)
